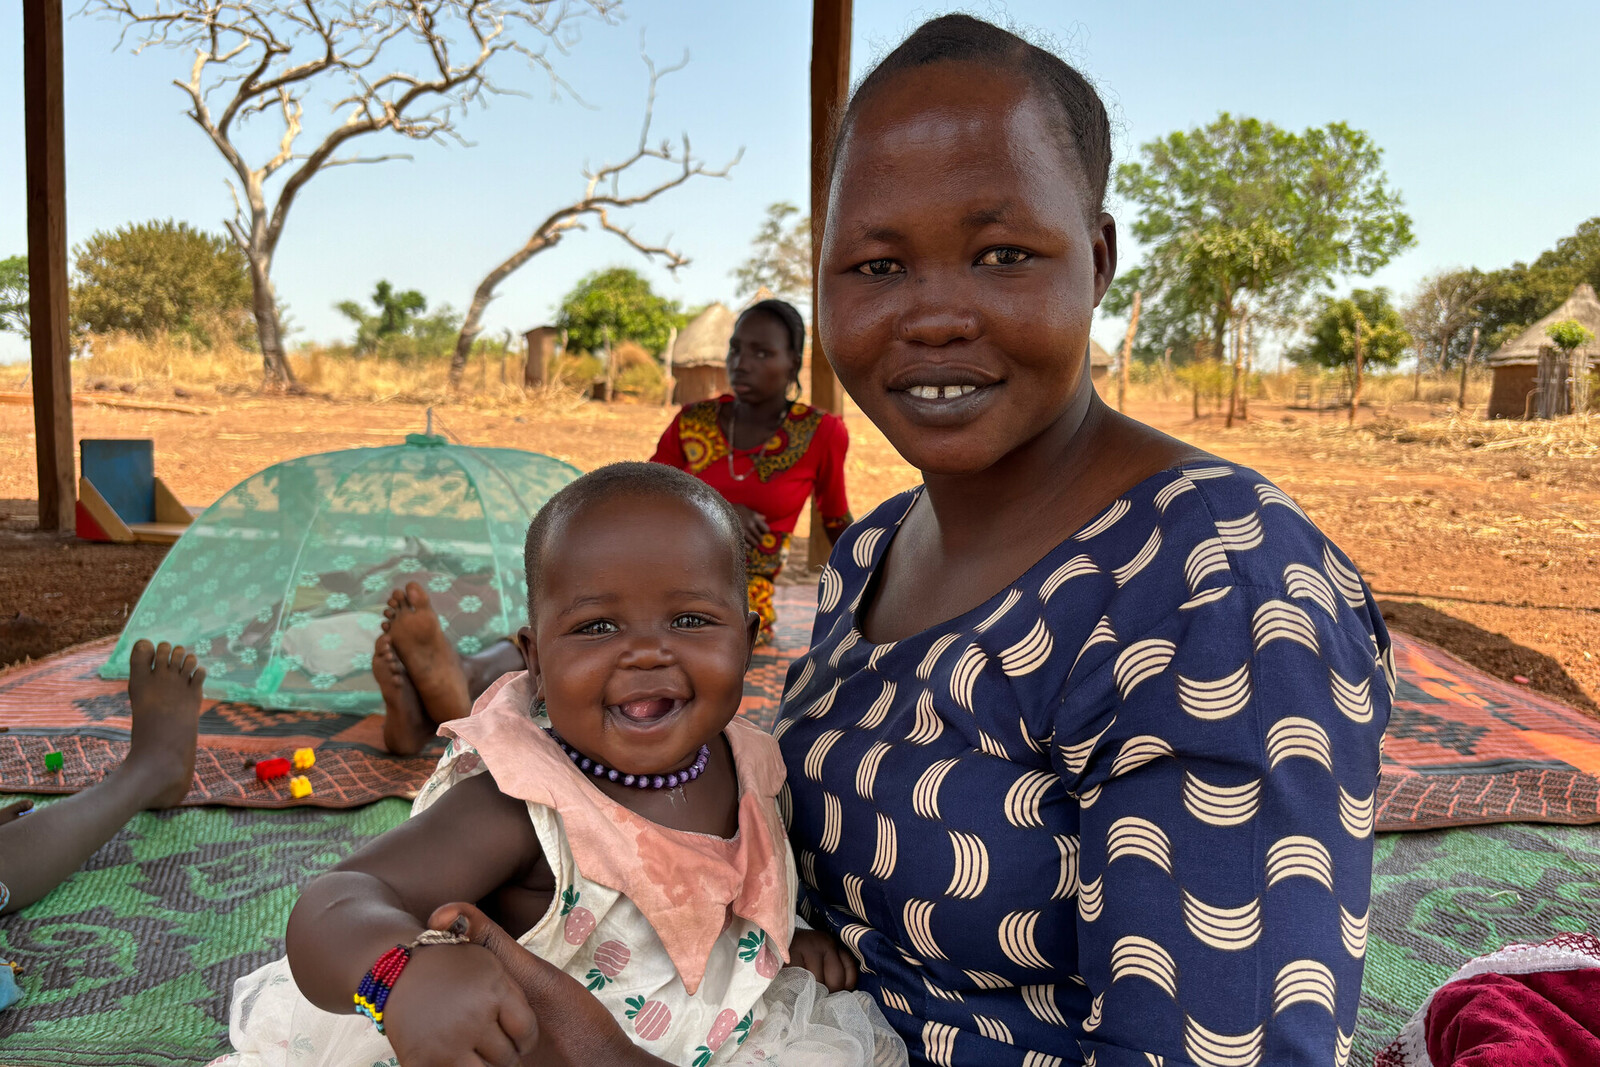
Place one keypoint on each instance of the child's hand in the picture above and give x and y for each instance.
(573, 1029)
(455, 1006)
(831, 963)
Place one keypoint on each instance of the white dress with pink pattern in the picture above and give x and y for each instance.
(680, 935)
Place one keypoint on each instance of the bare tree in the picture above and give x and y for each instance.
(602, 194)
(258, 59)
(1444, 305)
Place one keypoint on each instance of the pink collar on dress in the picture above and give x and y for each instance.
(687, 885)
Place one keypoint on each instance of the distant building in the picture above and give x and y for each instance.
(1531, 375)
(1099, 362)
(699, 356)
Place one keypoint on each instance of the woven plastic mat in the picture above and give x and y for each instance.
(61, 704)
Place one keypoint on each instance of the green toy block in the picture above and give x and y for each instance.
(52, 761)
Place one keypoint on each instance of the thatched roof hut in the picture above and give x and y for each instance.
(1516, 363)
(1099, 362)
(704, 342)
(699, 356)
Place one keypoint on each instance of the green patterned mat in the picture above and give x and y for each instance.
(1441, 897)
(131, 963)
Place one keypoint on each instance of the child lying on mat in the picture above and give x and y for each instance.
(40, 851)
(626, 828)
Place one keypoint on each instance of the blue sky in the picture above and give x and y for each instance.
(1488, 131)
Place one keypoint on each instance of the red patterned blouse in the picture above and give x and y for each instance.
(804, 457)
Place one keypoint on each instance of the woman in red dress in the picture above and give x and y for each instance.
(764, 452)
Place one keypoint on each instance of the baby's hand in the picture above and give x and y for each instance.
(831, 963)
(455, 1005)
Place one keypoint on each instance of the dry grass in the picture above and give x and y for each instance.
(172, 365)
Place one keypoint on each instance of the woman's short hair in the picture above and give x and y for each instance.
(1082, 122)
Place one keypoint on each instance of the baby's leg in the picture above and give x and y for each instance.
(444, 682)
(406, 724)
(42, 849)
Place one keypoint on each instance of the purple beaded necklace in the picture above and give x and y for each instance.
(642, 781)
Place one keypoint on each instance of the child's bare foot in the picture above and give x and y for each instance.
(406, 726)
(164, 689)
(435, 669)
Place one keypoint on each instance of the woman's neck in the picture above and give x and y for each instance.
(754, 422)
(769, 410)
(1030, 489)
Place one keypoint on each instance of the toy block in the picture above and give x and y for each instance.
(299, 786)
(52, 761)
(304, 759)
(268, 769)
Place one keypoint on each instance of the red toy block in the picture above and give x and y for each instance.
(269, 769)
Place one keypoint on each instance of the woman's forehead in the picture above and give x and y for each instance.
(922, 133)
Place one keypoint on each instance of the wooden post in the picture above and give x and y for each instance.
(666, 360)
(1238, 369)
(1127, 351)
(1461, 399)
(830, 85)
(1249, 365)
(47, 261)
(1355, 393)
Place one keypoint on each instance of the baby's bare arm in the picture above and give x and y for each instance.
(473, 840)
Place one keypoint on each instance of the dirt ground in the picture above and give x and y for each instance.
(1493, 553)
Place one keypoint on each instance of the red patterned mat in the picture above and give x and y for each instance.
(61, 704)
(1463, 748)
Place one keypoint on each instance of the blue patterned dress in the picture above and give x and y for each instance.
(1120, 814)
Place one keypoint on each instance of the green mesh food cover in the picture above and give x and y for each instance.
(279, 586)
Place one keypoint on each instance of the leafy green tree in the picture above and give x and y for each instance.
(396, 312)
(617, 305)
(780, 255)
(1523, 293)
(1569, 334)
(14, 295)
(1355, 332)
(1332, 332)
(154, 277)
(1242, 215)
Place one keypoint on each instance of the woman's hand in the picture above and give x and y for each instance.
(571, 1028)
(830, 962)
(455, 1006)
(754, 524)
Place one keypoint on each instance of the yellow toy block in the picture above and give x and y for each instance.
(304, 759)
(299, 786)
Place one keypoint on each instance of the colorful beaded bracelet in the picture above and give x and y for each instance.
(373, 993)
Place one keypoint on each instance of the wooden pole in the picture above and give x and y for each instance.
(1127, 351)
(1238, 369)
(666, 360)
(830, 85)
(1355, 393)
(47, 260)
(1461, 399)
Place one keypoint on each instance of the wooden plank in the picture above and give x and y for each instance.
(830, 87)
(157, 533)
(47, 260)
(106, 401)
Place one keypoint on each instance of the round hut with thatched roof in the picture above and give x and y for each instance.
(699, 356)
(1532, 377)
(1099, 362)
